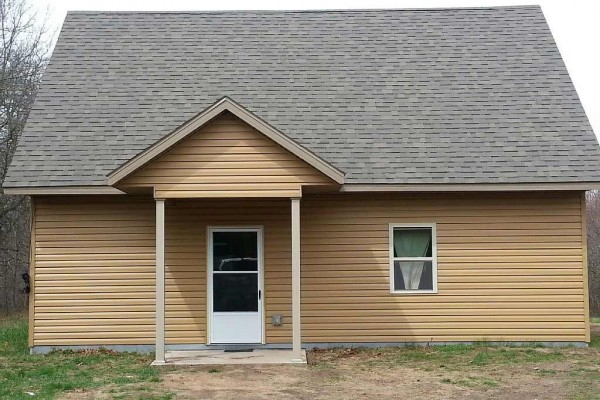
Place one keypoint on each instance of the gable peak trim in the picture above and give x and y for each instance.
(202, 118)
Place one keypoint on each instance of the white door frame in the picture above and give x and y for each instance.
(209, 267)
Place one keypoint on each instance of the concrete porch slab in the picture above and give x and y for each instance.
(221, 357)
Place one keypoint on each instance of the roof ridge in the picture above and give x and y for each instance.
(310, 11)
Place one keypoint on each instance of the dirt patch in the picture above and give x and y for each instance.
(365, 374)
(298, 382)
(462, 372)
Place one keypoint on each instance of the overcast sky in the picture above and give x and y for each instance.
(574, 24)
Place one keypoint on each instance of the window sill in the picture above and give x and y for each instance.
(404, 292)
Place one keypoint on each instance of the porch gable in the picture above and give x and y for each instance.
(227, 157)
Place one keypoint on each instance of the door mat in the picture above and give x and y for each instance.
(238, 351)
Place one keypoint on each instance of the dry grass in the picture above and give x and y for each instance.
(451, 372)
(25, 376)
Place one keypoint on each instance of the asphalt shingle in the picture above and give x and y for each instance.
(387, 96)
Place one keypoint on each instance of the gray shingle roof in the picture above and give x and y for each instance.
(387, 96)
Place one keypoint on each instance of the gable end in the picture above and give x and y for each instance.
(225, 104)
(227, 158)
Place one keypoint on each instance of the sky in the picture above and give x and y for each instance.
(574, 24)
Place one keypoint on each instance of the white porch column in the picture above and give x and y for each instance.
(160, 283)
(296, 328)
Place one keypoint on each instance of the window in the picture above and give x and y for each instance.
(413, 264)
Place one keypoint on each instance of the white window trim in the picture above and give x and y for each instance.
(434, 275)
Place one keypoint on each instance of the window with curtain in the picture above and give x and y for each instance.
(413, 258)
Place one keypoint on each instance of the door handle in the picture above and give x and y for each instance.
(259, 294)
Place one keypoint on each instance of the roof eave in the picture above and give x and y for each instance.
(345, 188)
(470, 187)
(61, 190)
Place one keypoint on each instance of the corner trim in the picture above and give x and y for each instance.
(225, 104)
(470, 187)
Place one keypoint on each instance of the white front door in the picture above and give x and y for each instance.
(235, 275)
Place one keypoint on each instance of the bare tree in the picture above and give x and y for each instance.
(593, 228)
(24, 53)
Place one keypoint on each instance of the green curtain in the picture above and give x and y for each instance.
(412, 243)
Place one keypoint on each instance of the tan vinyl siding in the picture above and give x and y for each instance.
(510, 267)
(95, 267)
(94, 271)
(226, 158)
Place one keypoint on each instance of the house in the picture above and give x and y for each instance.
(306, 179)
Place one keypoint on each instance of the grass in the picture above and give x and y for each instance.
(584, 383)
(595, 342)
(460, 357)
(130, 376)
(484, 367)
(25, 376)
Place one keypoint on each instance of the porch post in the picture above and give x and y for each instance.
(296, 328)
(160, 283)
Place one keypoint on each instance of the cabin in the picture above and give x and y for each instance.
(303, 179)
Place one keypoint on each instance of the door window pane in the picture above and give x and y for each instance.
(235, 251)
(235, 292)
